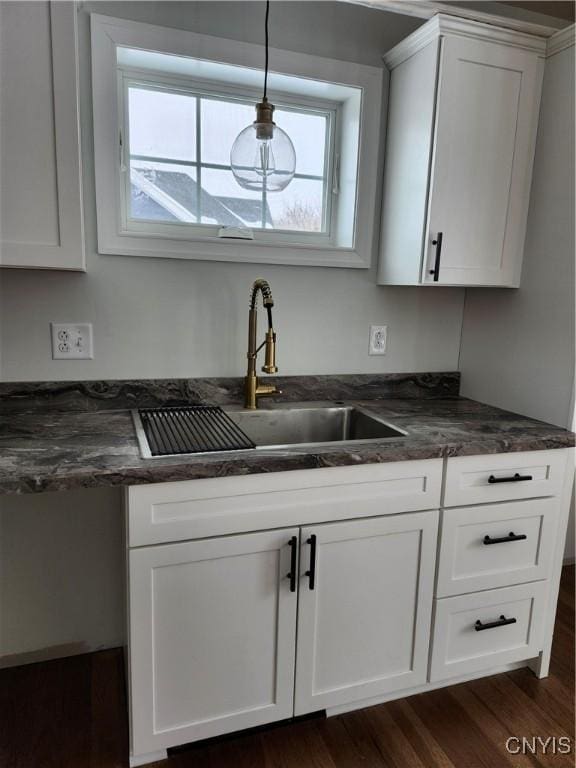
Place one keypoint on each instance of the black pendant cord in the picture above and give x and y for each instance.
(266, 49)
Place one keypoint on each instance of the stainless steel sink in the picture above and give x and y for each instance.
(321, 425)
(283, 426)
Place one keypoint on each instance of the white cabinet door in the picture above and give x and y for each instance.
(212, 637)
(41, 201)
(486, 121)
(364, 617)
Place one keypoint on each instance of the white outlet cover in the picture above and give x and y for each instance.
(377, 340)
(72, 341)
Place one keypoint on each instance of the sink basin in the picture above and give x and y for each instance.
(289, 426)
(171, 431)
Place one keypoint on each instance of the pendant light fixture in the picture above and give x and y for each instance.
(263, 156)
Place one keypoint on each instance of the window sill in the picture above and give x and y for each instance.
(246, 251)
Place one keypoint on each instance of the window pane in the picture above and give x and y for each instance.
(308, 134)
(221, 122)
(163, 192)
(162, 124)
(226, 203)
(298, 207)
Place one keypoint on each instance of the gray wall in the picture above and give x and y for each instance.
(61, 574)
(518, 346)
(158, 317)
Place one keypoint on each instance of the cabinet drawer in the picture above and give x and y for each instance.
(196, 509)
(462, 646)
(496, 545)
(504, 477)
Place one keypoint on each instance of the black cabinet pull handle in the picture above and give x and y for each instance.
(438, 244)
(517, 478)
(511, 537)
(293, 544)
(311, 573)
(502, 622)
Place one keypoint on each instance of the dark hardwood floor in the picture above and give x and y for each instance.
(71, 713)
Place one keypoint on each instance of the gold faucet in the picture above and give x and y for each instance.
(252, 389)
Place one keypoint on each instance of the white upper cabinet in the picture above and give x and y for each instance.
(41, 202)
(463, 116)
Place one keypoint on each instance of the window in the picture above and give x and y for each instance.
(178, 144)
(168, 105)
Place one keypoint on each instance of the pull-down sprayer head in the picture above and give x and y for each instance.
(264, 287)
(267, 300)
(252, 388)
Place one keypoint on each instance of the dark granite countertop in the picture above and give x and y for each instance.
(80, 434)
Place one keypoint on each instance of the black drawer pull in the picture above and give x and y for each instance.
(311, 573)
(438, 244)
(502, 622)
(293, 544)
(511, 537)
(514, 479)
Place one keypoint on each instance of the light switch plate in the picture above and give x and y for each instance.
(72, 341)
(378, 339)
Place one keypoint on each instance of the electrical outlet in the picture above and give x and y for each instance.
(377, 341)
(72, 341)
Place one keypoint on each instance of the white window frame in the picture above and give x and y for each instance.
(358, 174)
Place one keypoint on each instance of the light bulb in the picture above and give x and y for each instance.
(264, 161)
(263, 155)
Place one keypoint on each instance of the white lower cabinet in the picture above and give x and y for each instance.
(254, 599)
(213, 624)
(212, 637)
(364, 608)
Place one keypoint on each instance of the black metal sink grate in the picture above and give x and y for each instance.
(191, 429)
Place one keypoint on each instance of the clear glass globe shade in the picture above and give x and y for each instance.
(268, 161)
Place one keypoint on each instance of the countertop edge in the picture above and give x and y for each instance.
(278, 461)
